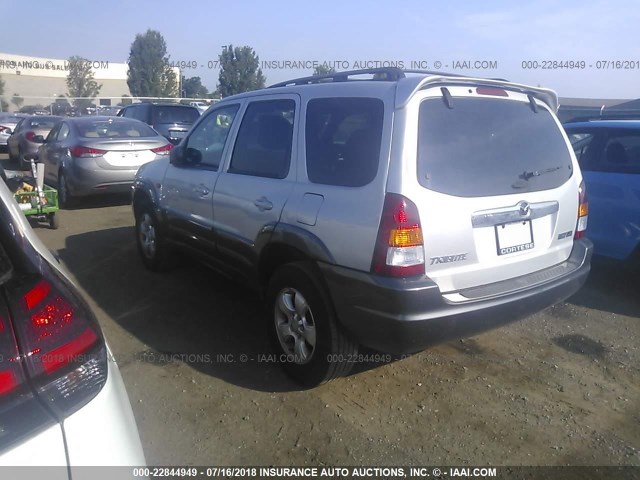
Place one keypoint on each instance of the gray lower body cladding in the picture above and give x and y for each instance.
(409, 315)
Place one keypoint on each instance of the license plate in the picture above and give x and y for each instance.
(514, 237)
(177, 133)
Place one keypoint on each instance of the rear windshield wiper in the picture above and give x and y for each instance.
(526, 175)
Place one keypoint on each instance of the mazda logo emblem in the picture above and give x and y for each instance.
(525, 208)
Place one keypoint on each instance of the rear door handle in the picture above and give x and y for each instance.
(263, 204)
(202, 190)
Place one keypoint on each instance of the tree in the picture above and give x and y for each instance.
(323, 70)
(4, 106)
(150, 74)
(239, 71)
(17, 100)
(80, 82)
(193, 88)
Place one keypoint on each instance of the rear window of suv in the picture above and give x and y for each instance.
(175, 114)
(343, 137)
(485, 147)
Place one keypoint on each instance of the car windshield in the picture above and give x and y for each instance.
(114, 129)
(176, 114)
(484, 147)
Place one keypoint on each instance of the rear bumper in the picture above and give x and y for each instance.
(91, 179)
(403, 316)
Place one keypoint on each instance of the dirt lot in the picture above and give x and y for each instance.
(562, 387)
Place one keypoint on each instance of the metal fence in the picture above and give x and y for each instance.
(102, 105)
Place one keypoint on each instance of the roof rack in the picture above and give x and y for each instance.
(383, 73)
(611, 115)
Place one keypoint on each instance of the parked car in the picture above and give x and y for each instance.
(171, 120)
(394, 212)
(34, 110)
(201, 106)
(609, 155)
(97, 155)
(59, 383)
(22, 141)
(8, 122)
(108, 110)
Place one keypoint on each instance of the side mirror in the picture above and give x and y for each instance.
(176, 156)
(38, 139)
(193, 156)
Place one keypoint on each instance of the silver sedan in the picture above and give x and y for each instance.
(97, 155)
(21, 142)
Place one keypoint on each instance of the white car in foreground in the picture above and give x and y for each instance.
(62, 399)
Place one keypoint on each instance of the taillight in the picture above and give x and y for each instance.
(5, 129)
(21, 412)
(497, 92)
(399, 250)
(53, 358)
(30, 136)
(60, 342)
(11, 375)
(165, 150)
(583, 212)
(86, 152)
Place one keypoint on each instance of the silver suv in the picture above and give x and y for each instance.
(383, 208)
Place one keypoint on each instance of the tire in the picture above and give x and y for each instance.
(22, 163)
(54, 221)
(65, 199)
(310, 345)
(156, 255)
(14, 161)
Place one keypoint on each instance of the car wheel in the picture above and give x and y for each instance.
(13, 159)
(65, 198)
(308, 341)
(54, 221)
(154, 252)
(23, 164)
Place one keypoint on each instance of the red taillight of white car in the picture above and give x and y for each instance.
(165, 150)
(399, 250)
(86, 152)
(583, 212)
(52, 355)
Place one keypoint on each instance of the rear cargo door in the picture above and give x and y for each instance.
(496, 188)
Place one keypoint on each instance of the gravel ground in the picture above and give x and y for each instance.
(559, 388)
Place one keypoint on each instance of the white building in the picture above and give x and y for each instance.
(40, 80)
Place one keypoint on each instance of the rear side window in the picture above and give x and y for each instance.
(63, 133)
(343, 137)
(263, 145)
(581, 144)
(175, 114)
(484, 147)
(621, 154)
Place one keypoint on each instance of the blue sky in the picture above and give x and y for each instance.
(506, 32)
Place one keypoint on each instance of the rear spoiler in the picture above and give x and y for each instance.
(407, 87)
